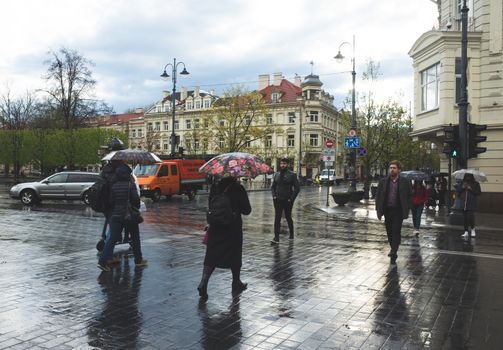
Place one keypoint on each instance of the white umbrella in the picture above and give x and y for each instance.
(477, 174)
(132, 156)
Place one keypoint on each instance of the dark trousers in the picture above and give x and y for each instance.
(393, 221)
(468, 219)
(417, 211)
(280, 206)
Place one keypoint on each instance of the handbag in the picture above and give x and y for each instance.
(205, 237)
(133, 215)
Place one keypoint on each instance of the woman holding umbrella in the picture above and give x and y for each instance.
(225, 241)
(468, 190)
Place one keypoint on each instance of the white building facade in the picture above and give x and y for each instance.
(436, 58)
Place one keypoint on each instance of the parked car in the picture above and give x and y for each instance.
(329, 176)
(64, 185)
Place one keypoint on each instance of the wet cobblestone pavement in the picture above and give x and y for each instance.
(332, 288)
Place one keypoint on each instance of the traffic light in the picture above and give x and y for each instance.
(451, 141)
(474, 138)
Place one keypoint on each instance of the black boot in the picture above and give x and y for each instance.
(237, 285)
(203, 285)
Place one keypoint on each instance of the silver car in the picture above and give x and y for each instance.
(65, 185)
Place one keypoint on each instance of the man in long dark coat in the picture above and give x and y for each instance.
(393, 200)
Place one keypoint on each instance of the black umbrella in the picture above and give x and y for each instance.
(415, 175)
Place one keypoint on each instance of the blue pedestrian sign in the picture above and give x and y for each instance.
(352, 142)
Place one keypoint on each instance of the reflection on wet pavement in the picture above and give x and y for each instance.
(331, 288)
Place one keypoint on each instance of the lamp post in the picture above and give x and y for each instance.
(352, 166)
(165, 76)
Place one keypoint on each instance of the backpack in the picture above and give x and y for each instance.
(98, 195)
(220, 211)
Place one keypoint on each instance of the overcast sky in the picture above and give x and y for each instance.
(221, 42)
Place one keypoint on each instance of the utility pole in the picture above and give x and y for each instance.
(463, 101)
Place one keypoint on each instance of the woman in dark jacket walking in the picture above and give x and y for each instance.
(122, 190)
(468, 191)
(225, 244)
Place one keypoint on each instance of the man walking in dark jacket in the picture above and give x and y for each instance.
(285, 188)
(393, 200)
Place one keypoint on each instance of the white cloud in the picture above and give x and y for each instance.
(224, 41)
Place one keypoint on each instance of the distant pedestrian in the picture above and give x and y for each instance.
(285, 188)
(468, 190)
(393, 200)
(419, 198)
(225, 243)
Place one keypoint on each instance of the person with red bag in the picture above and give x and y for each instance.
(419, 198)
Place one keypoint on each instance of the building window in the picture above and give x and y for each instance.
(159, 109)
(247, 142)
(291, 117)
(429, 88)
(189, 105)
(313, 116)
(274, 97)
(157, 126)
(177, 125)
(196, 124)
(149, 127)
(196, 144)
(268, 141)
(188, 123)
(133, 133)
(165, 145)
(269, 118)
(198, 104)
(313, 140)
(165, 125)
(222, 122)
(207, 104)
(221, 143)
(291, 140)
(157, 145)
(140, 132)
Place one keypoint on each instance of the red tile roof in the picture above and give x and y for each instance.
(117, 118)
(289, 92)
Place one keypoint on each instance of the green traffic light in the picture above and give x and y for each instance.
(454, 153)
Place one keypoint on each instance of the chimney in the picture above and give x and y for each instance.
(277, 78)
(183, 93)
(196, 91)
(165, 94)
(263, 81)
(212, 92)
(138, 110)
(296, 80)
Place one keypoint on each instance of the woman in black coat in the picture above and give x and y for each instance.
(225, 244)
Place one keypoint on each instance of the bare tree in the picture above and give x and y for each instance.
(236, 120)
(70, 90)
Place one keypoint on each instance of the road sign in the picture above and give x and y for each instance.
(352, 132)
(329, 164)
(362, 151)
(329, 152)
(328, 158)
(352, 142)
(329, 143)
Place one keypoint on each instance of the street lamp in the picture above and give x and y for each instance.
(165, 76)
(352, 166)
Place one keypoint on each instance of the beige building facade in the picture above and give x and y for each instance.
(436, 58)
(302, 113)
